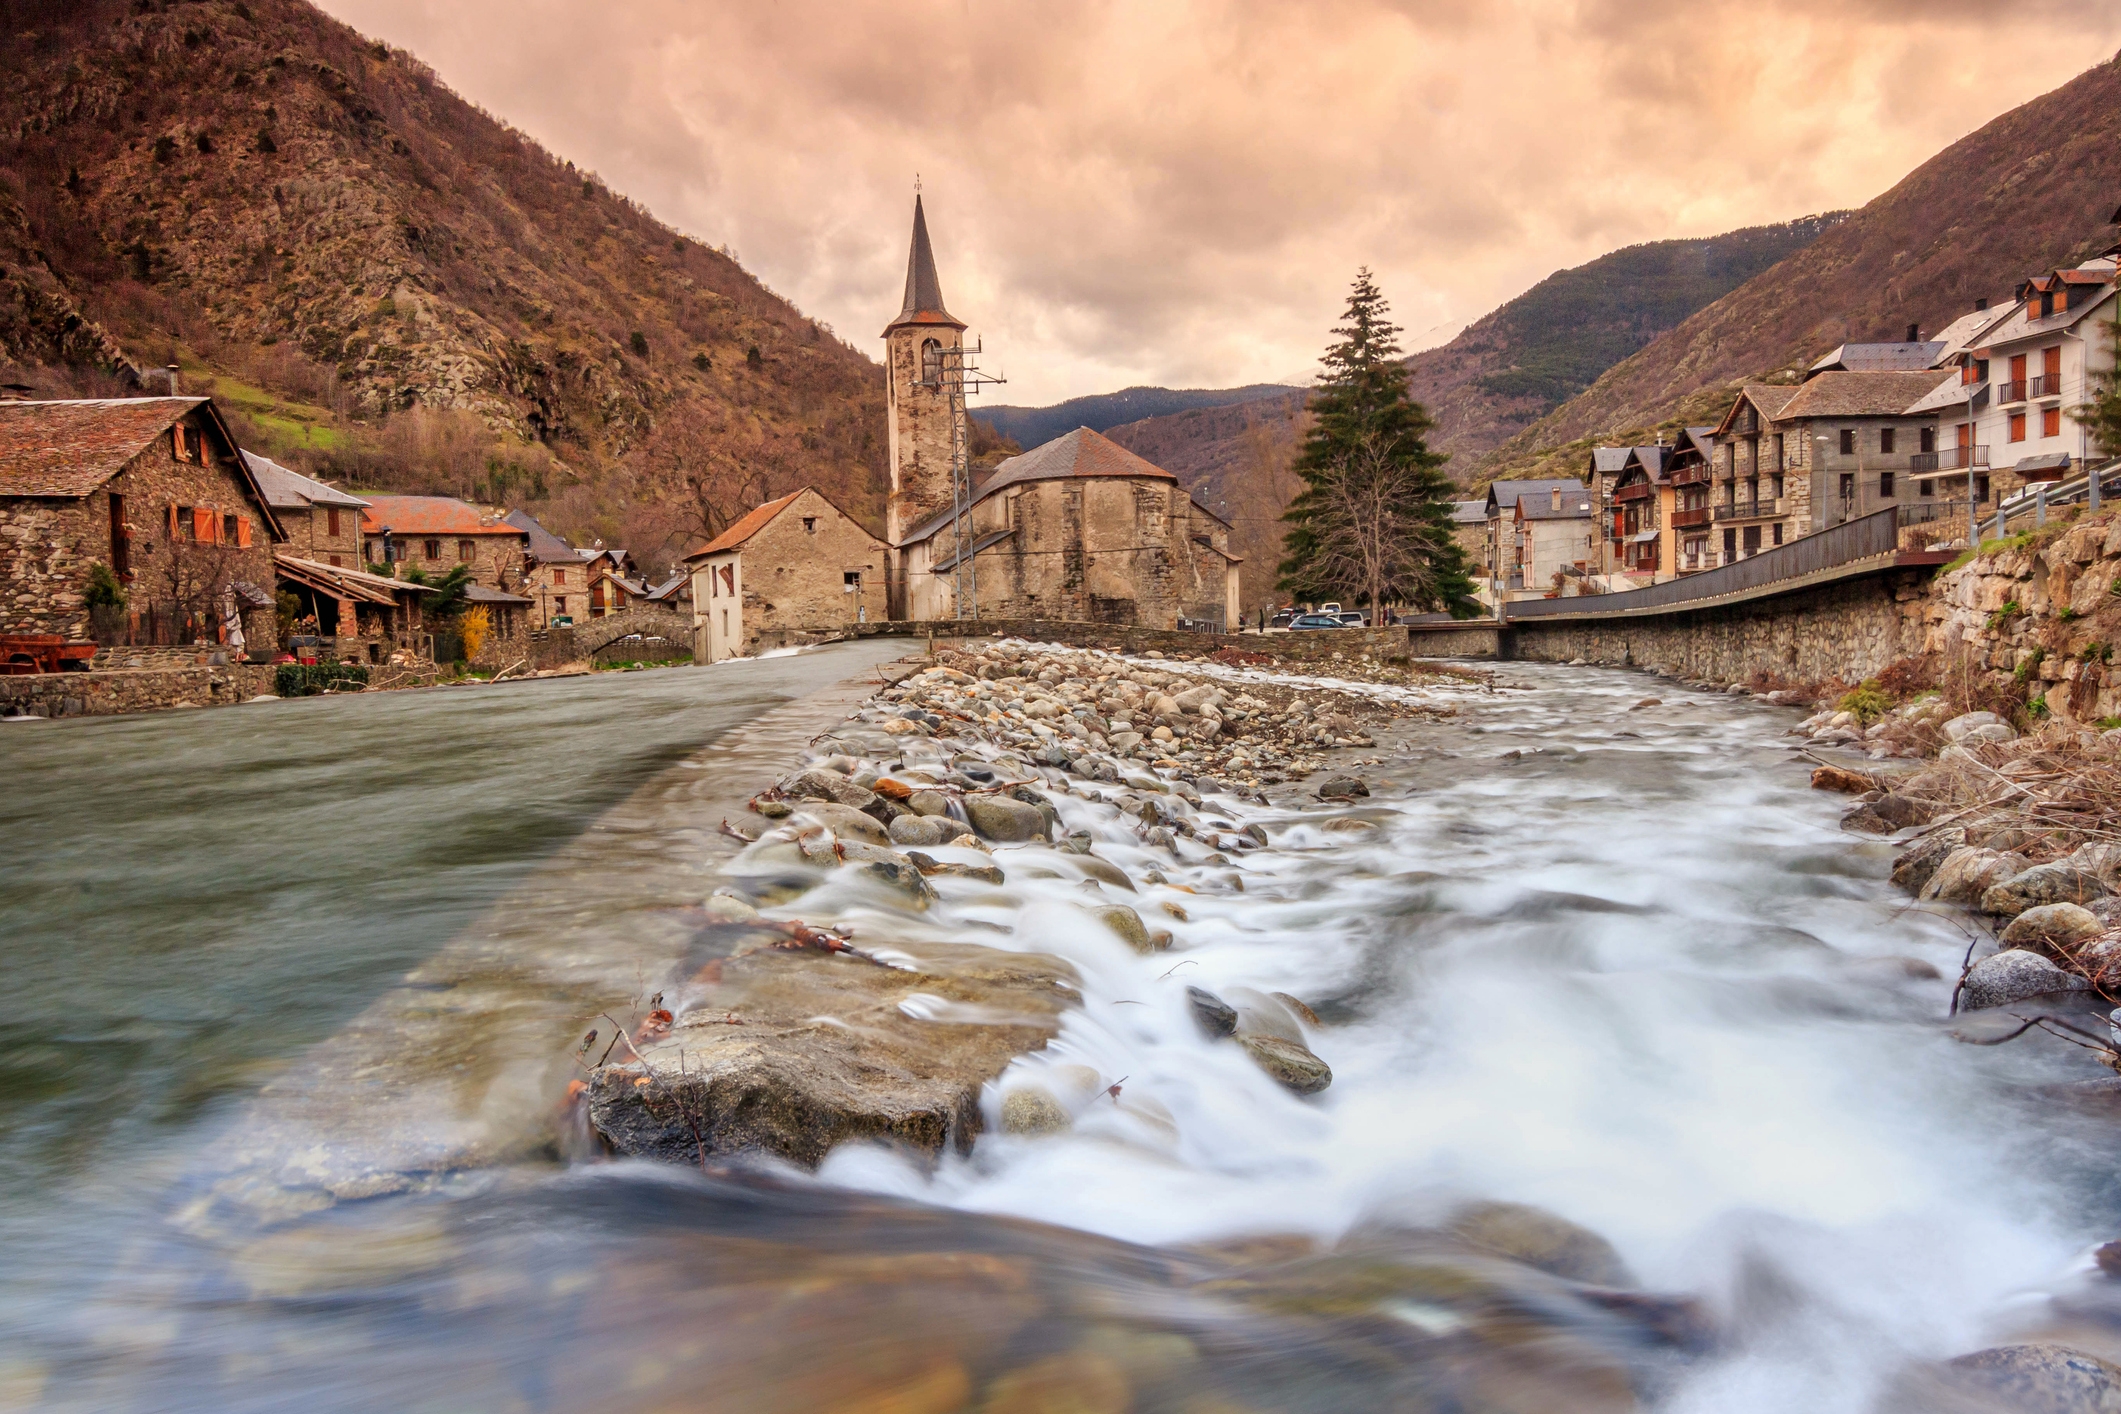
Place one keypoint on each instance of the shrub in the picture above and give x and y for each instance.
(638, 342)
(1866, 701)
(474, 628)
(308, 680)
(2096, 651)
(2031, 666)
(2004, 615)
(1907, 678)
(104, 591)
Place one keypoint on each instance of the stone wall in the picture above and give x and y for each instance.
(107, 693)
(2039, 612)
(1317, 646)
(1850, 630)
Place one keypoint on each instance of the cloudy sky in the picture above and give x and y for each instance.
(1179, 193)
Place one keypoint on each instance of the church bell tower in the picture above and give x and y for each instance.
(922, 367)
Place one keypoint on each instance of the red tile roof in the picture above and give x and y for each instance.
(754, 521)
(68, 449)
(431, 515)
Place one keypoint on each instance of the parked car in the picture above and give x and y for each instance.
(1304, 621)
(1352, 619)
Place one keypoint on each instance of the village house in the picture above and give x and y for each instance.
(794, 566)
(1500, 560)
(322, 522)
(1556, 537)
(1079, 528)
(1469, 531)
(153, 490)
(1643, 542)
(611, 592)
(1838, 446)
(435, 534)
(2005, 418)
(1689, 470)
(365, 617)
(673, 594)
(555, 576)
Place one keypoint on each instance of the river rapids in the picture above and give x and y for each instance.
(1613, 962)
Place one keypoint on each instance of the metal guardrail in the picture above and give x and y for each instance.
(1863, 538)
(2029, 508)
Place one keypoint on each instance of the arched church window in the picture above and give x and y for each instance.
(932, 362)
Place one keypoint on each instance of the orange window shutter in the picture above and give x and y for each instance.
(202, 525)
(2051, 365)
(173, 521)
(243, 532)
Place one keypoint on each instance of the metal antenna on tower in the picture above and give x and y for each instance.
(962, 378)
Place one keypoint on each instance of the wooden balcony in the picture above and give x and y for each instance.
(1692, 519)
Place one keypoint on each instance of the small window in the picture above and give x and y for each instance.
(851, 581)
(229, 534)
(932, 362)
(559, 605)
(180, 522)
(1848, 486)
(465, 549)
(559, 577)
(432, 549)
(2017, 427)
(810, 525)
(338, 562)
(1848, 441)
(1927, 439)
(1776, 484)
(1780, 463)
(331, 523)
(1778, 532)
(1929, 488)
(1885, 485)
(2051, 422)
(1981, 486)
(1887, 437)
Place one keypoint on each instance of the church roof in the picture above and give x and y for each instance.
(1078, 453)
(924, 290)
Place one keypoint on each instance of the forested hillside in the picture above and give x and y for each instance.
(386, 284)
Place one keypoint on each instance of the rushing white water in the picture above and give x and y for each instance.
(1635, 975)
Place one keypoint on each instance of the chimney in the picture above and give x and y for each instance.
(174, 374)
(1914, 333)
(1557, 497)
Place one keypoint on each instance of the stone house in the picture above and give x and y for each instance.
(1078, 529)
(322, 522)
(794, 566)
(554, 574)
(611, 592)
(1469, 530)
(1839, 446)
(1557, 535)
(1761, 474)
(365, 615)
(1501, 566)
(155, 490)
(437, 533)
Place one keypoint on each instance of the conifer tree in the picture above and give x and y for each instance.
(1373, 522)
(2102, 415)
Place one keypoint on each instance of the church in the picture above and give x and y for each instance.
(1077, 529)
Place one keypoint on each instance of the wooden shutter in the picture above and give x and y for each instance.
(243, 532)
(2051, 367)
(203, 528)
(173, 520)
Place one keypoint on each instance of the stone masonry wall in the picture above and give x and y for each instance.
(1850, 631)
(103, 694)
(2045, 607)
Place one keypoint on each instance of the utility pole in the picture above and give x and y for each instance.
(961, 378)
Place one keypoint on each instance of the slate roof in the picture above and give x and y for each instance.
(545, 547)
(669, 589)
(1575, 503)
(1861, 394)
(1078, 453)
(291, 491)
(924, 290)
(1609, 459)
(1502, 495)
(68, 448)
(429, 515)
(1901, 357)
(482, 594)
(2024, 321)
(1468, 513)
(751, 523)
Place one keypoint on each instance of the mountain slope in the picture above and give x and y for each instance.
(2032, 189)
(251, 189)
(1101, 411)
(1554, 340)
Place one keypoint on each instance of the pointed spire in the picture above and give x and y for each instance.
(924, 290)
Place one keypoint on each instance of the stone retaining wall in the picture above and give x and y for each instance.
(1296, 647)
(104, 694)
(1849, 630)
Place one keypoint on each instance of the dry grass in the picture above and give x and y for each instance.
(2062, 787)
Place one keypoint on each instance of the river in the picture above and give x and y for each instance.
(289, 989)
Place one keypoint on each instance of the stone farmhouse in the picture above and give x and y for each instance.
(322, 522)
(156, 491)
(437, 533)
(554, 574)
(793, 567)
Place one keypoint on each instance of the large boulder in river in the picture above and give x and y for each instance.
(827, 785)
(792, 1052)
(2057, 929)
(1919, 863)
(2011, 976)
(2060, 882)
(1003, 820)
(1543, 1240)
(1968, 872)
(2010, 1379)
(1271, 1033)
(843, 820)
(916, 831)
